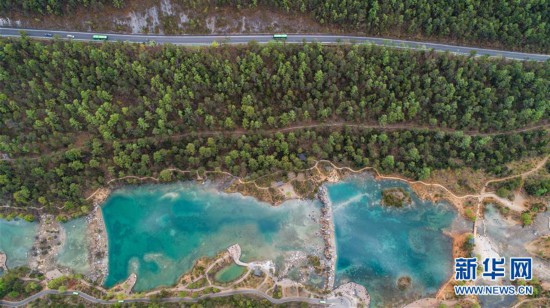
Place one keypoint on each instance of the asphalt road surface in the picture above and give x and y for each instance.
(197, 40)
(331, 302)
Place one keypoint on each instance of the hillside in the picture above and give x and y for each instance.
(86, 113)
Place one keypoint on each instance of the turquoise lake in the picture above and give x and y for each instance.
(17, 238)
(376, 244)
(159, 231)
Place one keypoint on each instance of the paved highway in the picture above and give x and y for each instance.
(331, 302)
(196, 40)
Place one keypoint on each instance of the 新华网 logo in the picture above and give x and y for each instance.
(466, 269)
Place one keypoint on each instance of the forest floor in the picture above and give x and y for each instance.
(540, 247)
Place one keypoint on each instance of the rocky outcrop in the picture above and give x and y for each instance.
(48, 241)
(3, 261)
(356, 293)
(98, 255)
(327, 230)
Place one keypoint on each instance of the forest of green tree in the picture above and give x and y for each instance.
(57, 7)
(74, 115)
(12, 286)
(522, 24)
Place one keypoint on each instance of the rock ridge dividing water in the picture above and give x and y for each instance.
(327, 230)
(3, 261)
(98, 252)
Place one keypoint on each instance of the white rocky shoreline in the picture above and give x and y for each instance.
(98, 254)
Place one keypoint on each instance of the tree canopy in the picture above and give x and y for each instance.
(74, 115)
(522, 24)
(519, 24)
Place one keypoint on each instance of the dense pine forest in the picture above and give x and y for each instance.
(74, 115)
(57, 7)
(522, 24)
(519, 24)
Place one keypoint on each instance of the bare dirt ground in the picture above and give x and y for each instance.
(540, 247)
(287, 190)
(434, 302)
(461, 181)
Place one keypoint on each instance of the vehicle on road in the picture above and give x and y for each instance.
(75, 293)
(48, 35)
(98, 37)
(281, 37)
(70, 36)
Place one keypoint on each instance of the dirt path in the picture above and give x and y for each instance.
(513, 205)
(523, 175)
(379, 175)
(313, 125)
(482, 195)
(516, 205)
(221, 259)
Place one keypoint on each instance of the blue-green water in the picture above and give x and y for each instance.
(376, 245)
(230, 273)
(74, 253)
(16, 239)
(158, 231)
